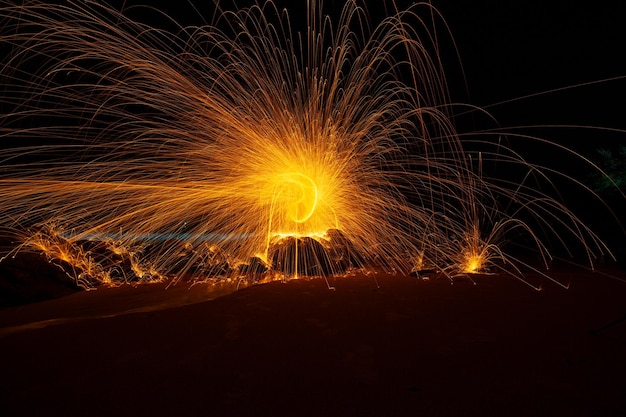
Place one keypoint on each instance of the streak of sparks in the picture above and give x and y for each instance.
(240, 134)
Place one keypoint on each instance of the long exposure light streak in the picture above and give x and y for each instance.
(241, 136)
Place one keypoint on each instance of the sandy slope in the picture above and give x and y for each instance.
(410, 347)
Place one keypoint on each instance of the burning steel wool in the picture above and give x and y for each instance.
(243, 146)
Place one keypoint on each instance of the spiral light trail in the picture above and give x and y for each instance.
(224, 144)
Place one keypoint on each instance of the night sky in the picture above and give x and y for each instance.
(511, 49)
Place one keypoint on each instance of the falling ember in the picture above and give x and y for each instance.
(243, 145)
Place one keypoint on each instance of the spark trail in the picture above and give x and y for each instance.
(243, 134)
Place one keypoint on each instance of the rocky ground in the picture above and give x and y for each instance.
(376, 345)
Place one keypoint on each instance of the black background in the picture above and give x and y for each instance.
(505, 50)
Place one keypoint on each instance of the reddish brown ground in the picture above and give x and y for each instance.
(410, 347)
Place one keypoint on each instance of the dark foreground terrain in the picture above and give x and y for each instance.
(408, 347)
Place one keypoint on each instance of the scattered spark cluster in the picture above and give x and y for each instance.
(243, 145)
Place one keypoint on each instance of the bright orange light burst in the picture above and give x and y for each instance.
(473, 264)
(199, 151)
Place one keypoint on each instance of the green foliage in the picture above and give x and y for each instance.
(613, 163)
